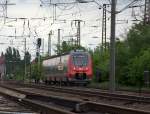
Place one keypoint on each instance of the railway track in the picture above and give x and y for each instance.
(34, 101)
(10, 107)
(73, 106)
(91, 93)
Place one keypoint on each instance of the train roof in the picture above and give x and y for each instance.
(54, 56)
(78, 51)
(71, 52)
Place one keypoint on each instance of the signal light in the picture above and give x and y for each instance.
(39, 42)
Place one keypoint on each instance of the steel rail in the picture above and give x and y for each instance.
(83, 106)
(105, 108)
(89, 93)
(31, 102)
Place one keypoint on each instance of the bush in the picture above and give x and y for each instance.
(137, 66)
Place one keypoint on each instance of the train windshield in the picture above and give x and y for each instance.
(80, 59)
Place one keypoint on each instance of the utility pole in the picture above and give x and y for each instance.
(147, 12)
(43, 47)
(25, 61)
(39, 58)
(49, 43)
(112, 47)
(54, 12)
(6, 8)
(58, 41)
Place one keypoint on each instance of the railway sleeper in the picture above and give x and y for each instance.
(31, 102)
(106, 108)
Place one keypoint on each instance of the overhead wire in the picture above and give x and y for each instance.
(58, 16)
(127, 6)
(65, 7)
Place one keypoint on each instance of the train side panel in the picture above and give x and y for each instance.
(55, 69)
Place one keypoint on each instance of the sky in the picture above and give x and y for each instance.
(32, 19)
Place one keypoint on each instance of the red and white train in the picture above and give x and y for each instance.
(73, 67)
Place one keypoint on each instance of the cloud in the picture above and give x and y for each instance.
(22, 1)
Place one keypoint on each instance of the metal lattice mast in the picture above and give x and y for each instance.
(104, 27)
(5, 8)
(78, 33)
(147, 12)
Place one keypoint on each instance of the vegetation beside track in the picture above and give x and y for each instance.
(132, 57)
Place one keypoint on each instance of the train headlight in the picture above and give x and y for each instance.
(74, 68)
(86, 68)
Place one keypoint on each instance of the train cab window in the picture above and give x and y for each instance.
(80, 59)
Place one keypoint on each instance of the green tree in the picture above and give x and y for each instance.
(37, 71)
(100, 61)
(138, 38)
(137, 66)
(122, 58)
(66, 47)
(14, 64)
(132, 55)
(8, 58)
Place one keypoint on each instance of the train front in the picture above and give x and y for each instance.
(81, 67)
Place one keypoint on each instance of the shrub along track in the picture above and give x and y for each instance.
(82, 101)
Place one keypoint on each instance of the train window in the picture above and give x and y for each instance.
(80, 59)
